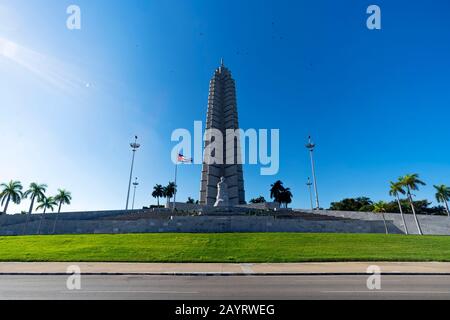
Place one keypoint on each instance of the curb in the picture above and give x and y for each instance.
(221, 274)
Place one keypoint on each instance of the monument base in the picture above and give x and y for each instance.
(223, 211)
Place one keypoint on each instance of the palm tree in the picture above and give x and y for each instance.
(381, 207)
(169, 191)
(286, 197)
(36, 191)
(443, 196)
(190, 201)
(165, 194)
(46, 203)
(395, 191)
(158, 192)
(276, 190)
(63, 197)
(12, 191)
(411, 182)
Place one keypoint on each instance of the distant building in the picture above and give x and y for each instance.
(222, 115)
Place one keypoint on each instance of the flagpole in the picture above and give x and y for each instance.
(181, 159)
(175, 194)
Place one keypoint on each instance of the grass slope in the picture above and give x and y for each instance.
(259, 247)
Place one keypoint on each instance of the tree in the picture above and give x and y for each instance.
(363, 204)
(166, 195)
(190, 201)
(276, 190)
(286, 197)
(260, 199)
(158, 192)
(411, 182)
(169, 191)
(46, 203)
(395, 191)
(421, 207)
(36, 191)
(12, 191)
(438, 211)
(443, 196)
(380, 207)
(63, 197)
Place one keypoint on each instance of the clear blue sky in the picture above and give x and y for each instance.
(376, 102)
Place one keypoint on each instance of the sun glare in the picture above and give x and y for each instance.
(8, 49)
(52, 71)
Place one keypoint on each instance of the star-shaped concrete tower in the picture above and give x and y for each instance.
(222, 115)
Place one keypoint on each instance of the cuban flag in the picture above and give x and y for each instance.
(183, 159)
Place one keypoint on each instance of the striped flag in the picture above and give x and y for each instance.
(183, 159)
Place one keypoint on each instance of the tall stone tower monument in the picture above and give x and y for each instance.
(222, 115)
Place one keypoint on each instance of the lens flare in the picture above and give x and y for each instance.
(58, 74)
(8, 49)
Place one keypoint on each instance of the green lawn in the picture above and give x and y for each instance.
(261, 247)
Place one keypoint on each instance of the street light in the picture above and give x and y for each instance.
(309, 184)
(311, 146)
(134, 147)
(135, 184)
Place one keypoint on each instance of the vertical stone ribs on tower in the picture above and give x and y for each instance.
(222, 115)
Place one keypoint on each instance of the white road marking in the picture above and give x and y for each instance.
(128, 291)
(386, 291)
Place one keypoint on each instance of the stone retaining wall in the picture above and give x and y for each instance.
(431, 225)
(154, 222)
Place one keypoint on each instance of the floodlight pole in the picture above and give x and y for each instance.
(134, 147)
(309, 184)
(135, 184)
(311, 146)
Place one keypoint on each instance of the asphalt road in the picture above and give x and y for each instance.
(224, 288)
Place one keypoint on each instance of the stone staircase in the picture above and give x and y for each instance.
(309, 216)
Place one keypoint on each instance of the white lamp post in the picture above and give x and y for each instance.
(311, 146)
(134, 147)
(309, 184)
(135, 184)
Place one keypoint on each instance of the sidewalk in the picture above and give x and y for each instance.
(223, 269)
